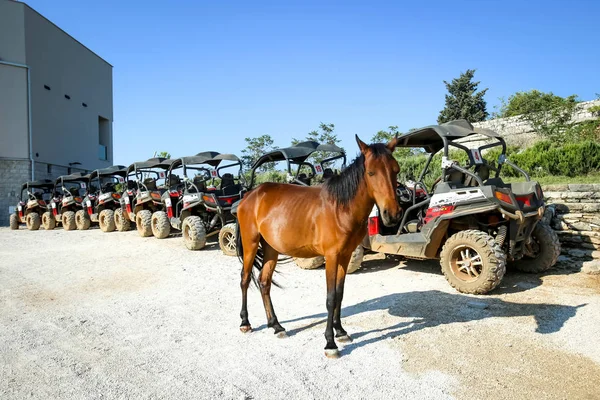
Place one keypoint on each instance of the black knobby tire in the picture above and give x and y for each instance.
(473, 262)
(227, 240)
(161, 226)
(356, 260)
(545, 246)
(194, 233)
(48, 221)
(106, 220)
(143, 222)
(14, 222)
(122, 223)
(32, 221)
(68, 221)
(82, 220)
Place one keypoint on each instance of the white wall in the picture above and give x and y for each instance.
(13, 82)
(64, 130)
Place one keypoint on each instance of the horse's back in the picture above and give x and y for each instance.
(285, 215)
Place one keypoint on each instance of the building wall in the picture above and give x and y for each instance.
(13, 82)
(12, 175)
(12, 31)
(64, 130)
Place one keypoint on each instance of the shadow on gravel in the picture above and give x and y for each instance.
(432, 308)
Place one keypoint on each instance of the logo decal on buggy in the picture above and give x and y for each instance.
(476, 156)
(214, 174)
(82, 185)
(161, 175)
(121, 180)
(455, 197)
(319, 169)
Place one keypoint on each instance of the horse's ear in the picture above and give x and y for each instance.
(393, 143)
(362, 145)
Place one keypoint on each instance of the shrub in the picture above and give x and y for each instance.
(542, 159)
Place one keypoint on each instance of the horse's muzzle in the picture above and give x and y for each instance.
(390, 220)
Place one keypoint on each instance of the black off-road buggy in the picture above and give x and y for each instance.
(191, 206)
(66, 201)
(102, 198)
(470, 219)
(142, 196)
(32, 204)
(301, 171)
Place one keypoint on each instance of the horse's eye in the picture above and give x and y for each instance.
(371, 173)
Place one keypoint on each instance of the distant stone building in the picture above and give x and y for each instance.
(56, 107)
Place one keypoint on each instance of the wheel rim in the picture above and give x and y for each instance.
(466, 263)
(229, 241)
(532, 249)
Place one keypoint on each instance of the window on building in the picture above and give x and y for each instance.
(49, 168)
(47, 87)
(69, 171)
(67, 97)
(103, 138)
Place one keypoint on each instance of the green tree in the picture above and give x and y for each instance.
(162, 154)
(548, 114)
(463, 100)
(384, 136)
(323, 135)
(255, 148)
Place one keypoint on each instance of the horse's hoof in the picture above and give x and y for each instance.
(245, 328)
(281, 335)
(344, 339)
(332, 353)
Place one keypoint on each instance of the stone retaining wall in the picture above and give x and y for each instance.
(574, 213)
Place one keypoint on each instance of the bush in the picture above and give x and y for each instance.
(546, 158)
(542, 159)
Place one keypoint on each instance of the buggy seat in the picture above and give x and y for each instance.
(228, 186)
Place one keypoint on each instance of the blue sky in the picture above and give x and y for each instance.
(193, 76)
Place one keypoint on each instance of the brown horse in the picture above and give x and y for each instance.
(328, 220)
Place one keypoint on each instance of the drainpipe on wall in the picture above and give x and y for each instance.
(28, 111)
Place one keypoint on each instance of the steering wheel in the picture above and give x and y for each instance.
(403, 193)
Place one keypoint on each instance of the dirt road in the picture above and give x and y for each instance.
(93, 315)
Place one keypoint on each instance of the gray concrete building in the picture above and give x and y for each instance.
(56, 107)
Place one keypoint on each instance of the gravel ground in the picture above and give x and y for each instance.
(93, 315)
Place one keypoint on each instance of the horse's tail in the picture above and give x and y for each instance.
(258, 259)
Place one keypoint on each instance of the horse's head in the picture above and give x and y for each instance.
(381, 170)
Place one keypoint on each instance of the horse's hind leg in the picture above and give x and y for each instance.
(266, 277)
(250, 242)
(340, 334)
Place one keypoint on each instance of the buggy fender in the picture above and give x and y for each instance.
(437, 228)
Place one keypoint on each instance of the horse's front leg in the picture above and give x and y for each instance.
(331, 269)
(340, 334)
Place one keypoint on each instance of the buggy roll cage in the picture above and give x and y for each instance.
(114, 171)
(138, 168)
(434, 138)
(210, 158)
(45, 184)
(297, 155)
(74, 177)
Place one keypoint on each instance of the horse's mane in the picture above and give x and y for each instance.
(343, 187)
